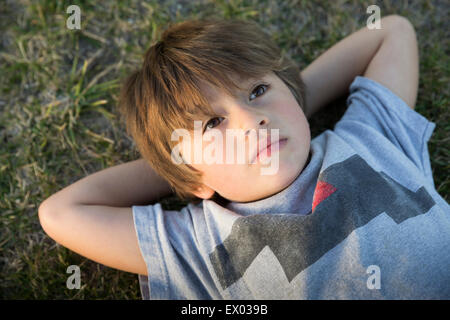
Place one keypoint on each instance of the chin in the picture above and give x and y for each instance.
(279, 182)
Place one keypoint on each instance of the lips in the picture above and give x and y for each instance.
(265, 145)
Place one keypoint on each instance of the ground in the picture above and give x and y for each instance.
(58, 94)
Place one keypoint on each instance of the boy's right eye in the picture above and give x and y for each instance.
(212, 123)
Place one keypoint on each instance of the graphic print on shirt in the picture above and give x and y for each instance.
(348, 195)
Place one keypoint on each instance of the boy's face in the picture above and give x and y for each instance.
(266, 104)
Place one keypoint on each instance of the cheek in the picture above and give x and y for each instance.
(290, 112)
(222, 178)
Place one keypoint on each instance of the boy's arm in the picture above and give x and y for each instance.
(396, 63)
(124, 185)
(94, 218)
(388, 56)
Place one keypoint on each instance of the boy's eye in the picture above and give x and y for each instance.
(212, 123)
(260, 86)
(216, 121)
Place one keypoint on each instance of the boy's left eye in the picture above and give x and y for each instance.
(260, 86)
(216, 121)
(213, 123)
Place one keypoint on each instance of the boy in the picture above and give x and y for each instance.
(352, 214)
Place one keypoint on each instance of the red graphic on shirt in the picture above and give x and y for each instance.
(323, 190)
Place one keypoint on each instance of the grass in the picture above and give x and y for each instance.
(58, 94)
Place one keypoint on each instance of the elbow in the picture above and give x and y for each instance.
(46, 216)
(398, 23)
(43, 215)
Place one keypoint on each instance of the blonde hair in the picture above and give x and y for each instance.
(164, 94)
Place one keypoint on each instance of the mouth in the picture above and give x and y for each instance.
(270, 147)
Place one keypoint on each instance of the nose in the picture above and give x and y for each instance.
(262, 122)
(251, 119)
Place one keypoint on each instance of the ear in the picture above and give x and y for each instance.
(204, 192)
